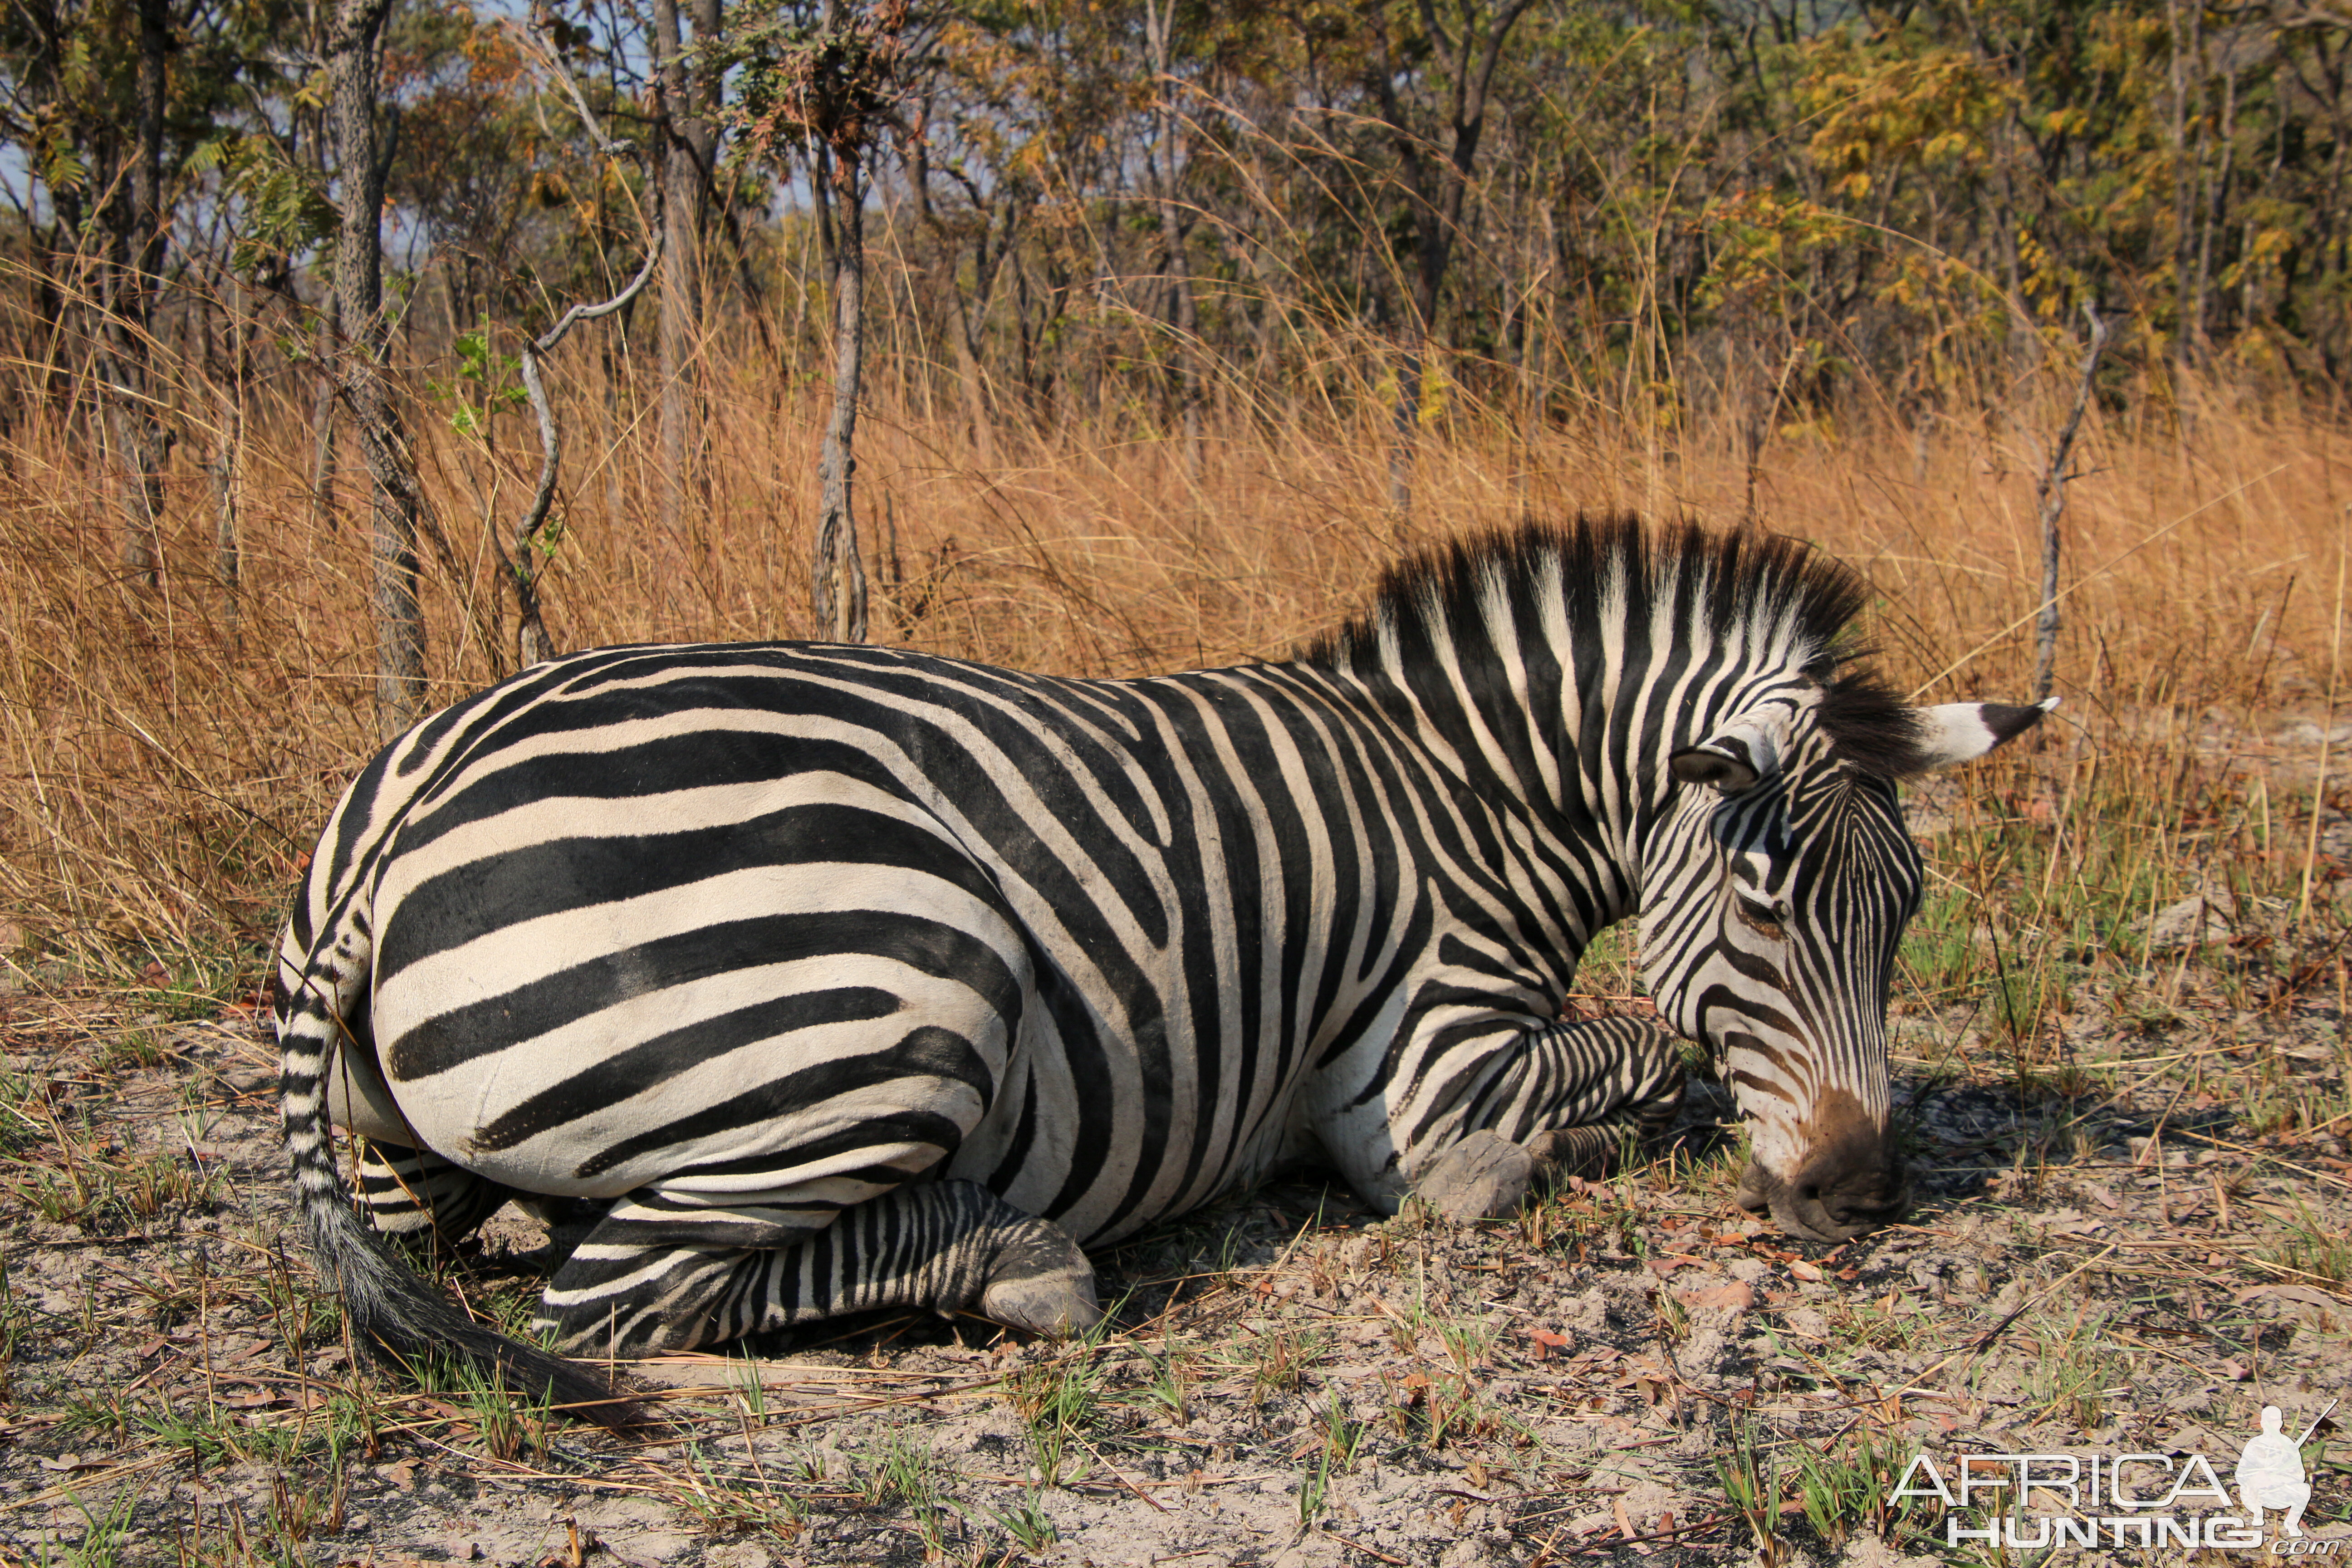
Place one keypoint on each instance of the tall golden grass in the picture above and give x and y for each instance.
(165, 758)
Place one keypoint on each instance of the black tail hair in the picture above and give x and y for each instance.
(390, 1308)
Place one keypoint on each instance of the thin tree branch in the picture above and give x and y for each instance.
(531, 642)
(2051, 493)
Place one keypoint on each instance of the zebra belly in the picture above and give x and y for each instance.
(819, 1038)
(358, 1101)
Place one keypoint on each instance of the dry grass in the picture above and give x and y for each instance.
(164, 757)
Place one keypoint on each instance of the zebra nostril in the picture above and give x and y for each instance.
(1872, 1204)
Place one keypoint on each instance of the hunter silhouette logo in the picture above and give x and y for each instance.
(2270, 1471)
(2128, 1499)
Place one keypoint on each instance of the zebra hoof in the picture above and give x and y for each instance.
(1590, 1153)
(1481, 1178)
(1041, 1283)
(1057, 1305)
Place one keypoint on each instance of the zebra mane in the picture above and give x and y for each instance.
(1474, 588)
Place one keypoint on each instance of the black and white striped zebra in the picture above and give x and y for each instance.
(790, 979)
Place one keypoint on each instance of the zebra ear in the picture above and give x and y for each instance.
(1733, 758)
(1956, 732)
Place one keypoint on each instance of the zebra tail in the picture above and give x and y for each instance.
(388, 1305)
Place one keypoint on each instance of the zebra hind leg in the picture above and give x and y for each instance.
(1623, 1083)
(416, 1197)
(650, 1278)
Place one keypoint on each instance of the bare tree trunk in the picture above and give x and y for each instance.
(353, 66)
(323, 415)
(1467, 64)
(968, 379)
(2184, 180)
(678, 137)
(964, 335)
(1159, 19)
(2051, 493)
(842, 98)
(229, 370)
(839, 597)
(2215, 206)
(138, 247)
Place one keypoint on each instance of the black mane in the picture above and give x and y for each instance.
(1445, 593)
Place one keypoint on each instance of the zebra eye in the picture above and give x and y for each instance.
(1760, 911)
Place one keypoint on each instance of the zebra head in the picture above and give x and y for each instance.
(1774, 903)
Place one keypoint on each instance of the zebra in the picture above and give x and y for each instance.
(786, 980)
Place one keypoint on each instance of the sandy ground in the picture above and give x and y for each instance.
(1631, 1370)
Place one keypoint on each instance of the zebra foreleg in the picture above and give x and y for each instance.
(642, 1283)
(415, 1196)
(1585, 1094)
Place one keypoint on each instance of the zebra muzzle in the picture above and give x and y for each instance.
(1851, 1179)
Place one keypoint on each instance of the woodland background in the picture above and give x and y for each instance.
(1168, 325)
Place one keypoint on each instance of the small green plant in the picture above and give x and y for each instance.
(1888, 1324)
(59, 1196)
(1673, 1318)
(2308, 1246)
(354, 1422)
(724, 1505)
(131, 1049)
(99, 1416)
(1167, 1388)
(2267, 1106)
(902, 1470)
(1610, 965)
(212, 1436)
(1283, 1358)
(1056, 1400)
(1341, 1437)
(906, 1470)
(301, 1316)
(505, 1422)
(1844, 1484)
(15, 1323)
(1450, 1408)
(483, 386)
(183, 986)
(149, 1186)
(98, 1194)
(2071, 1376)
(1940, 949)
(105, 1537)
(752, 1394)
(1313, 1487)
(21, 1118)
(1470, 1342)
(1025, 1524)
(297, 1511)
(1751, 1484)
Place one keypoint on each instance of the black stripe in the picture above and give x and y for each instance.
(500, 1023)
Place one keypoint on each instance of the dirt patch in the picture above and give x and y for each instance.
(2119, 1261)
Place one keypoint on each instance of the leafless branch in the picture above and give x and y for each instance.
(2050, 492)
